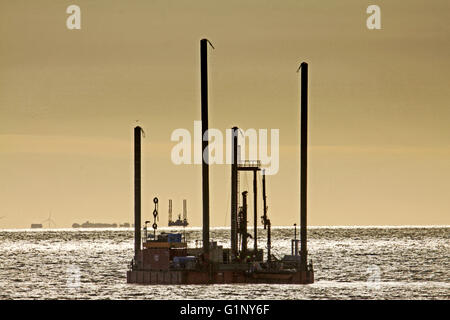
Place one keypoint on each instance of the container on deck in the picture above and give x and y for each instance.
(188, 262)
(155, 259)
(174, 237)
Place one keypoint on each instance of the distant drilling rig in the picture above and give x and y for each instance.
(180, 222)
(167, 259)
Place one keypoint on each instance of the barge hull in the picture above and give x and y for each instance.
(172, 277)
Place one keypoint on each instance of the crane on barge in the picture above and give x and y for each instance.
(166, 259)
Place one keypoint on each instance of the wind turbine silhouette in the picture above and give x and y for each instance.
(49, 220)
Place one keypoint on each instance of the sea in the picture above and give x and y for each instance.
(407, 262)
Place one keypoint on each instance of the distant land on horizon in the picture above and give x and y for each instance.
(118, 226)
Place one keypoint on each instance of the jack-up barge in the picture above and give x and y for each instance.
(167, 259)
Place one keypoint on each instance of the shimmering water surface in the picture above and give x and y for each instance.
(349, 263)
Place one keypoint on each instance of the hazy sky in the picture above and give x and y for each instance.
(379, 107)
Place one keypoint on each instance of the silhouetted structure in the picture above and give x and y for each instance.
(180, 222)
(205, 157)
(167, 259)
(237, 166)
(137, 193)
(88, 224)
(265, 220)
(303, 162)
(234, 193)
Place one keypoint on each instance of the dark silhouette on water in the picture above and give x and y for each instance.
(88, 224)
(180, 222)
(167, 259)
(234, 192)
(205, 157)
(137, 193)
(303, 162)
(237, 166)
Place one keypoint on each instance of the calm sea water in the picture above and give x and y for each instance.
(349, 263)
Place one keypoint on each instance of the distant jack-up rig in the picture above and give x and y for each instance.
(167, 259)
(179, 222)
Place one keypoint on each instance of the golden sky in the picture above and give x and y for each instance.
(379, 107)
